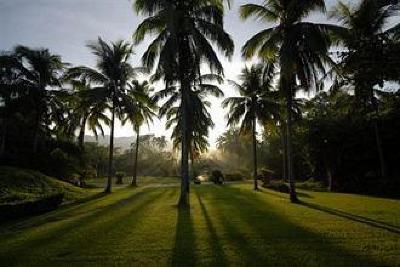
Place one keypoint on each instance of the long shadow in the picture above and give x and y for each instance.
(50, 236)
(353, 217)
(183, 253)
(52, 216)
(283, 195)
(115, 228)
(218, 254)
(264, 237)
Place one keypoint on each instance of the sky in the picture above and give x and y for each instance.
(65, 26)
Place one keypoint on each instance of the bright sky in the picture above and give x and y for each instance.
(64, 26)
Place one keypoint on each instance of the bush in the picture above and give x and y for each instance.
(119, 176)
(311, 185)
(277, 185)
(28, 208)
(265, 176)
(217, 177)
(234, 177)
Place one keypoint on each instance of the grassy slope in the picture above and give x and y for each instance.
(229, 225)
(20, 185)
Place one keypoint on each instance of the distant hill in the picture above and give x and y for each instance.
(121, 142)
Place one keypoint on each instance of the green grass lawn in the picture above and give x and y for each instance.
(226, 226)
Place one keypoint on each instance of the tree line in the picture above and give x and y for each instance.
(45, 101)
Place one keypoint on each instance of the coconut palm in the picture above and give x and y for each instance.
(138, 110)
(112, 75)
(256, 103)
(88, 111)
(197, 129)
(367, 37)
(184, 32)
(35, 73)
(300, 48)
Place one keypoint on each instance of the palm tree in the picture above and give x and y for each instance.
(184, 31)
(229, 141)
(34, 72)
(160, 142)
(88, 111)
(138, 109)
(256, 103)
(197, 129)
(366, 37)
(300, 48)
(112, 75)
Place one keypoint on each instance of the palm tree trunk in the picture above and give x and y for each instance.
(292, 186)
(254, 154)
(284, 154)
(378, 140)
(379, 148)
(134, 176)
(36, 135)
(111, 151)
(184, 74)
(81, 137)
(3, 137)
(184, 198)
(192, 168)
(328, 168)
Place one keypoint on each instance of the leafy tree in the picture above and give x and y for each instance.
(185, 30)
(299, 47)
(256, 102)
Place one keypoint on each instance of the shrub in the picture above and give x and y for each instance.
(311, 185)
(234, 177)
(265, 176)
(217, 177)
(277, 185)
(28, 208)
(119, 176)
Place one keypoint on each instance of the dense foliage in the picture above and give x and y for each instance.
(344, 135)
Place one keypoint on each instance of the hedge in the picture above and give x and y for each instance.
(29, 208)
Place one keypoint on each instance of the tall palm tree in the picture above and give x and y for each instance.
(197, 129)
(257, 102)
(185, 30)
(366, 37)
(112, 75)
(300, 48)
(138, 110)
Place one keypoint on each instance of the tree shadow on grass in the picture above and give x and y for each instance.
(218, 254)
(61, 233)
(51, 216)
(353, 217)
(284, 195)
(264, 237)
(111, 231)
(183, 253)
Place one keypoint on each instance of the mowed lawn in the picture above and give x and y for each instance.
(226, 226)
